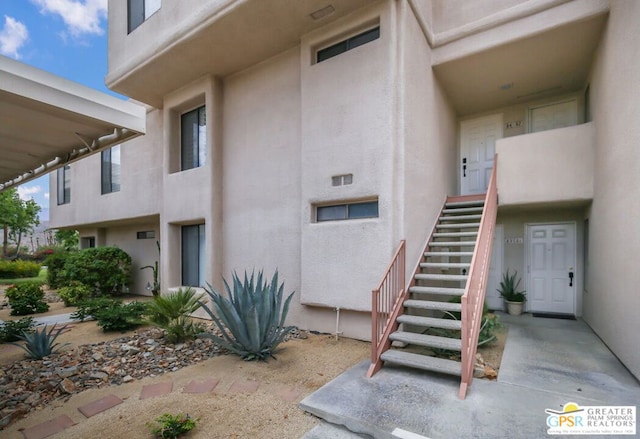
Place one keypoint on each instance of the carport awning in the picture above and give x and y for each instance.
(47, 122)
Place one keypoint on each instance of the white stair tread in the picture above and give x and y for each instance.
(422, 362)
(460, 217)
(458, 210)
(452, 244)
(458, 226)
(448, 254)
(437, 290)
(452, 277)
(444, 265)
(454, 234)
(432, 341)
(432, 322)
(429, 304)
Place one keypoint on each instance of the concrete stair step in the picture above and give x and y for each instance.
(422, 362)
(454, 234)
(464, 203)
(430, 341)
(445, 265)
(430, 322)
(452, 243)
(441, 291)
(459, 210)
(441, 254)
(460, 217)
(430, 304)
(442, 277)
(459, 226)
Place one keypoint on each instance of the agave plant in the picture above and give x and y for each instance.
(509, 288)
(40, 344)
(251, 319)
(171, 313)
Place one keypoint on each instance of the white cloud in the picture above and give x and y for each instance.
(12, 37)
(80, 16)
(27, 192)
(46, 195)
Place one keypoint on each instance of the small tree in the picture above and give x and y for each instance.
(69, 239)
(107, 269)
(17, 218)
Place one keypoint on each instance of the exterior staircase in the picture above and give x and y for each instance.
(441, 279)
(440, 309)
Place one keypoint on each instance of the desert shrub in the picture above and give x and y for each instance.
(170, 426)
(40, 344)
(252, 319)
(55, 265)
(18, 269)
(88, 309)
(11, 330)
(26, 298)
(108, 269)
(75, 293)
(121, 317)
(171, 313)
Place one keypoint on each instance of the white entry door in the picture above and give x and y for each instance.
(551, 285)
(492, 297)
(477, 146)
(552, 116)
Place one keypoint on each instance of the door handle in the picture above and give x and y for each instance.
(464, 167)
(571, 278)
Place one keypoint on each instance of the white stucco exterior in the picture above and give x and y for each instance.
(388, 113)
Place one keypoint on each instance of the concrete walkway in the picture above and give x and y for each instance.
(546, 363)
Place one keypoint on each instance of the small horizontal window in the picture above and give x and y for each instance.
(337, 212)
(148, 234)
(348, 44)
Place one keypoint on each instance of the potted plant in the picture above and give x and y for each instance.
(509, 291)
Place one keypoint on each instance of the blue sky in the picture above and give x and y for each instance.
(65, 37)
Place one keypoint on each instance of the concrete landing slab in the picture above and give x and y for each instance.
(201, 386)
(244, 386)
(158, 389)
(48, 428)
(326, 430)
(99, 406)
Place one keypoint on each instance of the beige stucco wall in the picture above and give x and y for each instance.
(141, 160)
(613, 301)
(346, 128)
(549, 166)
(425, 170)
(451, 14)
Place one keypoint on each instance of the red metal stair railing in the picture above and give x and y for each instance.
(473, 298)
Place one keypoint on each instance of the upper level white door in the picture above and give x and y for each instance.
(477, 149)
(552, 116)
(551, 286)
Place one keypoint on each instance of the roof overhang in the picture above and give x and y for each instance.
(48, 122)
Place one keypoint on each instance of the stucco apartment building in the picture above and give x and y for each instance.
(313, 136)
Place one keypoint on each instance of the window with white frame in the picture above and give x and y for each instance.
(193, 139)
(193, 255)
(64, 185)
(110, 179)
(140, 10)
(347, 211)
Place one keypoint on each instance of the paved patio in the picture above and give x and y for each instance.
(546, 363)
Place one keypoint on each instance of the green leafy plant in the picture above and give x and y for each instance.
(171, 313)
(40, 344)
(26, 298)
(252, 319)
(170, 426)
(55, 265)
(11, 330)
(74, 293)
(18, 269)
(88, 309)
(509, 288)
(108, 269)
(121, 317)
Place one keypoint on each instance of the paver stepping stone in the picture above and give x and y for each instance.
(48, 428)
(244, 386)
(201, 386)
(158, 389)
(99, 406)
(289, 393)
